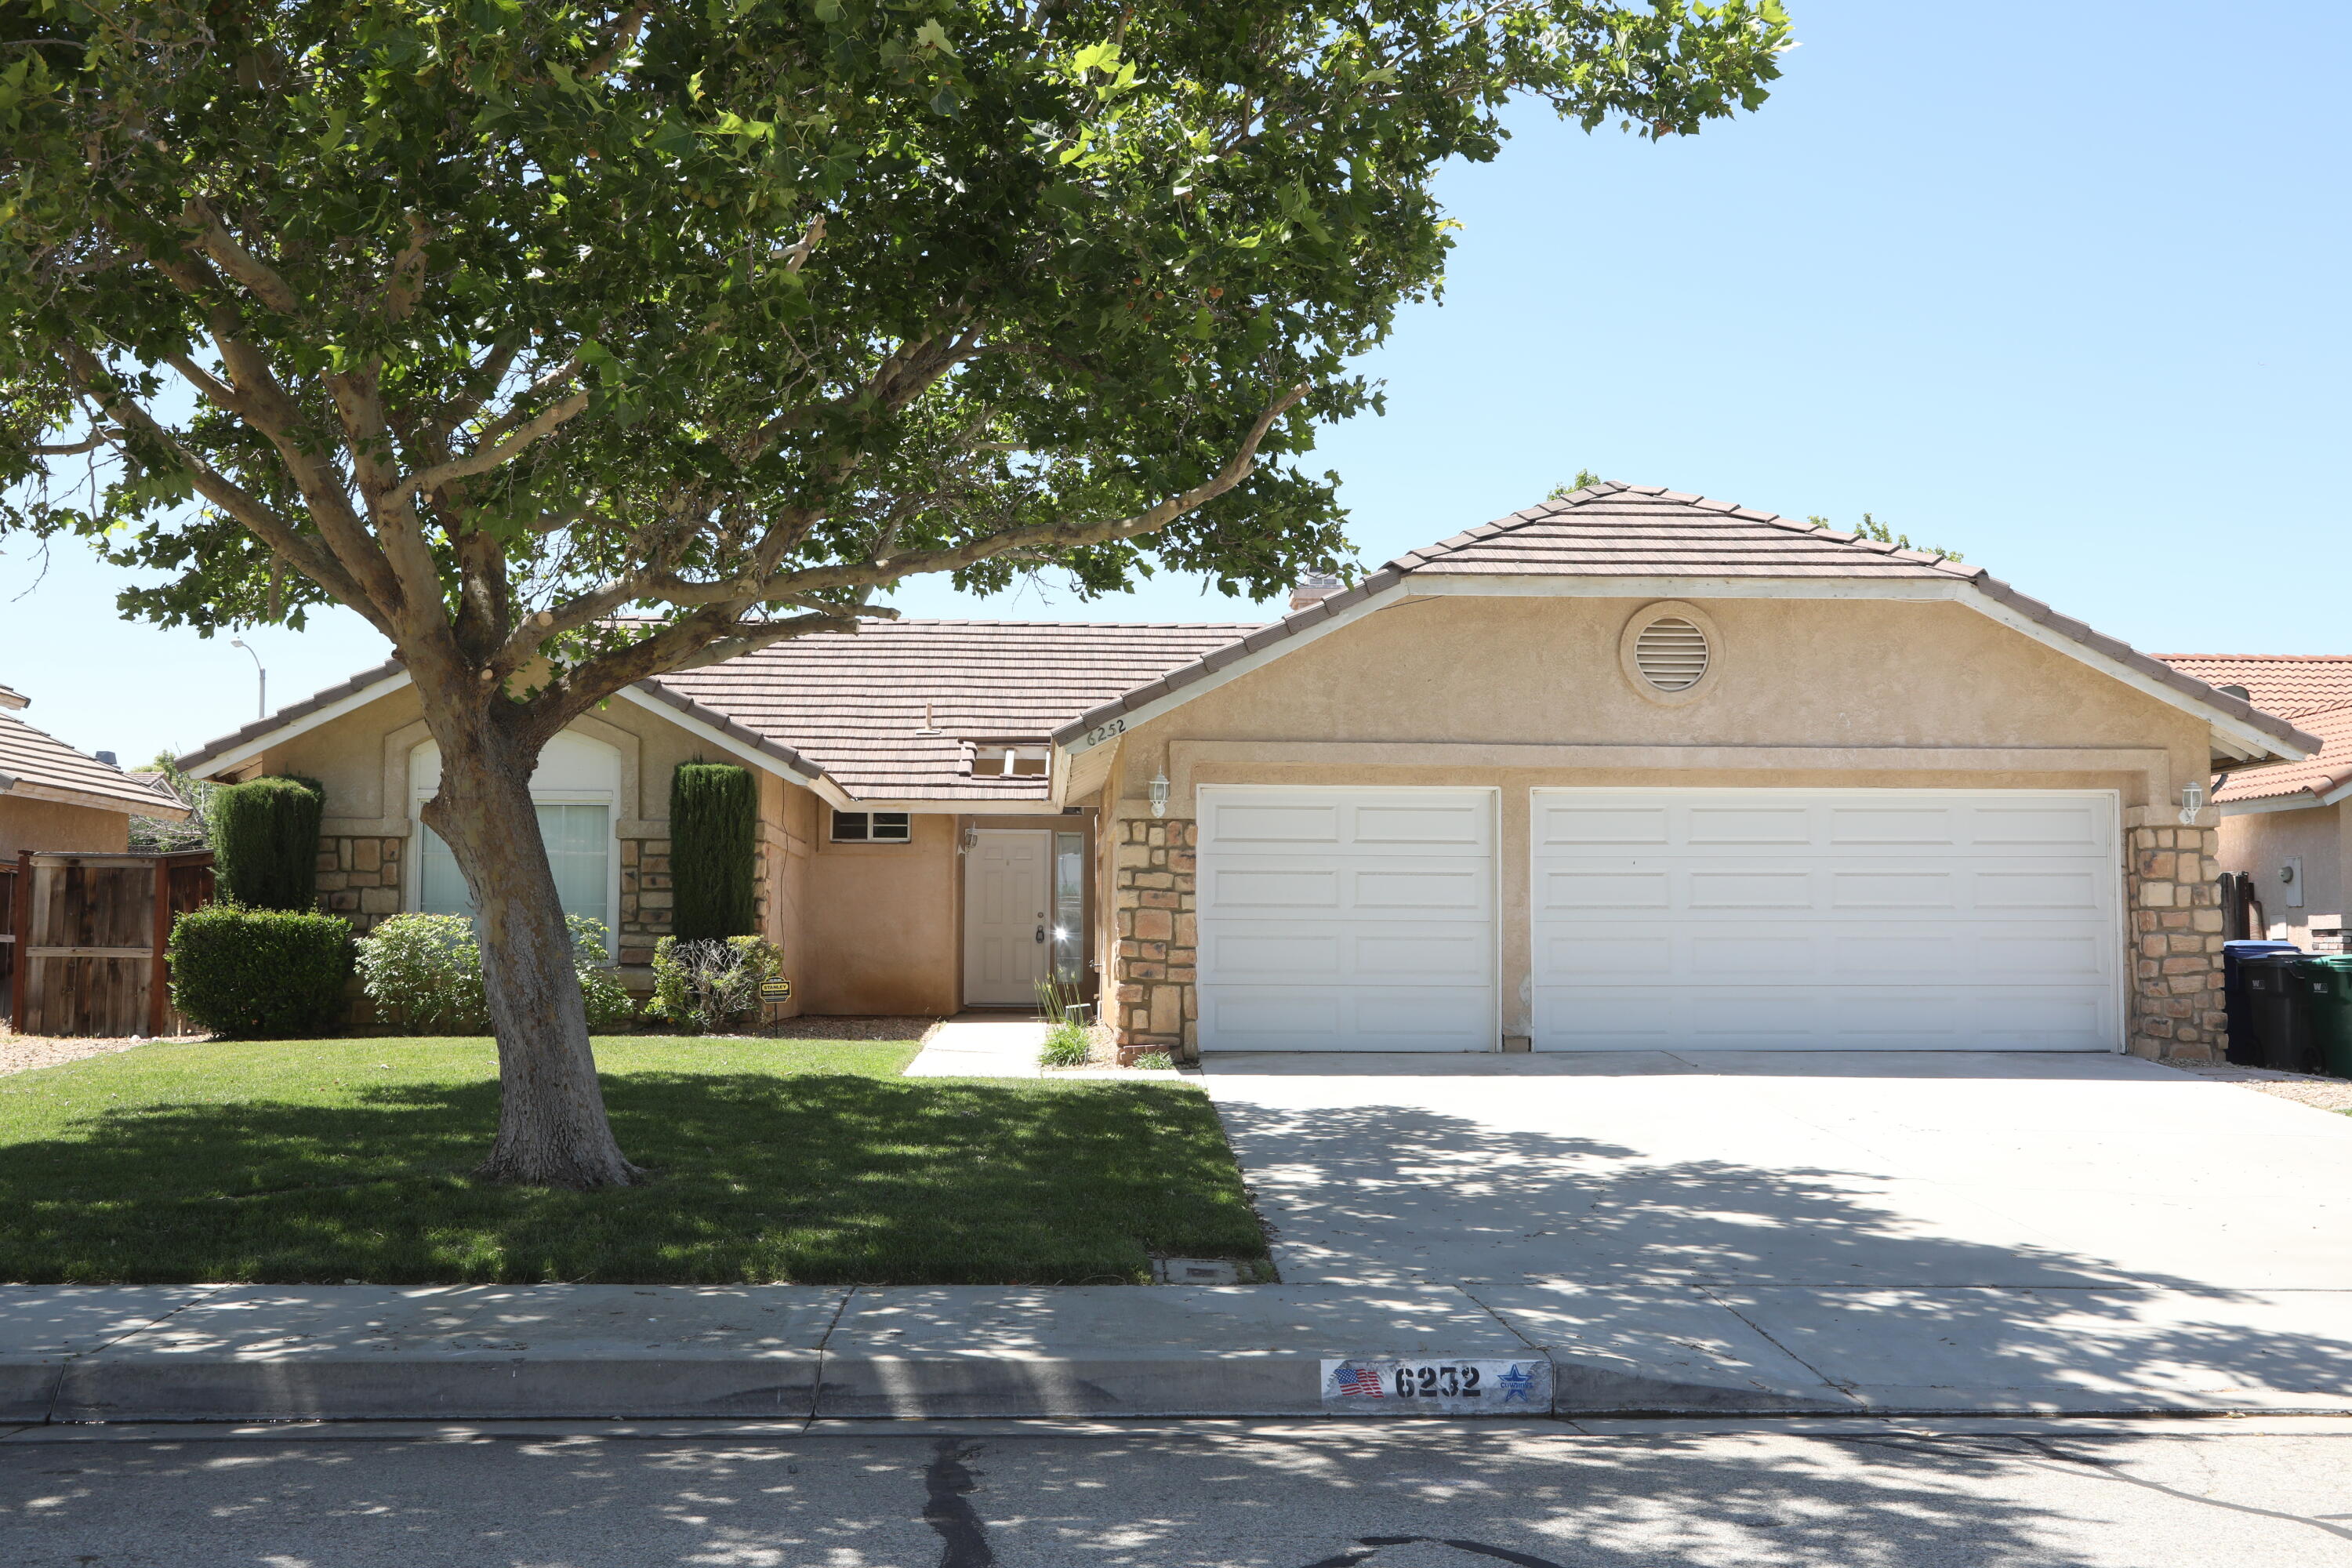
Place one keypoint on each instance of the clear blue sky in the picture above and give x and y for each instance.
(2060, 287)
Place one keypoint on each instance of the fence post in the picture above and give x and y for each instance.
(159, 999)
(22, 979)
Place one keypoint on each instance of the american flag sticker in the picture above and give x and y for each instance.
(1359, 1381)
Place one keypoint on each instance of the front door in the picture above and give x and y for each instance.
(1007, 934)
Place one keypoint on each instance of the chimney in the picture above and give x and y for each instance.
(1314, 587)
(105, 757)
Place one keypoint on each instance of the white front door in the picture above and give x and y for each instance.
(1906, 920)
(1347, 919)
(1007, 934)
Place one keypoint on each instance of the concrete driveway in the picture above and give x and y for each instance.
(1917, 1231)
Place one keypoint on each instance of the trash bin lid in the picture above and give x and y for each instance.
(2257, 947)
(2328, 974)
(2269, 971)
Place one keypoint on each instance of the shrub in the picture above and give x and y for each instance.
(714, 826)
(1160, 1059)
(259, 975)
(1068, 1044)
(265, 838)
(705, 985)
(424, 973)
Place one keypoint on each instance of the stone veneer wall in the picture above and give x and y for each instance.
(359, 879)
(1152, 899)
(2172, 881)
(645, 898)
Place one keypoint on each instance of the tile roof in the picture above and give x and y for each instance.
(197, 761)
(891, 712)
(2287, 684)
(2319, 775)
(36, 757)
(1615, 529)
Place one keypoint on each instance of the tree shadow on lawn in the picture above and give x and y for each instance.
(756, 1178)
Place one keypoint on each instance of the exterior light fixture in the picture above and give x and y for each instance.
(1160, 794)
(971, 838)
(2192, 797)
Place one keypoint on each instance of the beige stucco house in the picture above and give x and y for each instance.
(53, 797)
(1629, 770)
(2284, 827)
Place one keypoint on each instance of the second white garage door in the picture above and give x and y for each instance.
(1347, 919)
(1835, 920)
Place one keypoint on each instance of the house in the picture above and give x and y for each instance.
(54, 797)
(1632, 769)
(2284, 826)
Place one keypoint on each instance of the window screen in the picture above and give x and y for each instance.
(579, 840)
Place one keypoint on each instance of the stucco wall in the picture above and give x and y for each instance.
(882, 928)
(1523, 692)
(2260, 843)
(51, 825)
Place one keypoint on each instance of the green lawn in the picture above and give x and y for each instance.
(327, 1160)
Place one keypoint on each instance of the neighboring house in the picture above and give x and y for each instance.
(54, 797)
(1629, 770)
(2288, 827)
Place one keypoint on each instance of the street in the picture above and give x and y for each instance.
(1840, 1494)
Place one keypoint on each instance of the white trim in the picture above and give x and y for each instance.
(2301, 800)
(333, 710)
(824, 787)
(16, 788)
(2230, 734)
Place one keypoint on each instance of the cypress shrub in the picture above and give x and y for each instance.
(266, 843)
(259, 975)
(714, 825)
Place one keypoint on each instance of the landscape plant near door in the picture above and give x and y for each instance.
(714, 829)
(567, 343)
(707, 985)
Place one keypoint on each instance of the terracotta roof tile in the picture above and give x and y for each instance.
(36, 757)
(2282, 683)
(2318, 775)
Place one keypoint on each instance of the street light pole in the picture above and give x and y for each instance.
(261, 697)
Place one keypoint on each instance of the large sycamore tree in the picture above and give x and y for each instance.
(567, 342)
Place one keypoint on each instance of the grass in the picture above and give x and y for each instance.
(772, 1161)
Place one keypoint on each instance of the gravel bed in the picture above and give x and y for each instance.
(2303, 1089)
(22, 1053)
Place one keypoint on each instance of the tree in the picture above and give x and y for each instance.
(568, 343)
(1872, 529)
(1563, 490)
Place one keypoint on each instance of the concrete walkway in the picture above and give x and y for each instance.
(1901, 1230)
(1003, 1047)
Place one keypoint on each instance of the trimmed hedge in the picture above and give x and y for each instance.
(714, 826)
(266, 843)
(261, 975)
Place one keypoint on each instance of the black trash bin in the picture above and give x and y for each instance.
(2282, 1027)
(2243, 1050)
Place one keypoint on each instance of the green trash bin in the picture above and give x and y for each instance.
(2325, 986)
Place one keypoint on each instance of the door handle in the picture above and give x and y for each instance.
(1041, 933)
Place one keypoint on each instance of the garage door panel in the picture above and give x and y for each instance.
(1347, 919)
(1900, 920)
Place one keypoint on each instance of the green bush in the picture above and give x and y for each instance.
(259, 975)
(706, 986)
(1068, 1044)
(424, 973)
(264, 837)
(714, 826)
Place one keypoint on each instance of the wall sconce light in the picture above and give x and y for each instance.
(971, 838)
(2192, 799)
(1160, 794)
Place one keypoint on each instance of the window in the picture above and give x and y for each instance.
(1069, 907)
(579, 840)
(1010, 758)
(872, 828)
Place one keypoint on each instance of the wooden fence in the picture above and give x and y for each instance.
(88, 933)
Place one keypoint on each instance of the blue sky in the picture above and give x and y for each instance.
(2060, 287)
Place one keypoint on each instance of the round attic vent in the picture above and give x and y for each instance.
(1670, 653)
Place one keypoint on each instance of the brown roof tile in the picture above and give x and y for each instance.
(36, 757)
(2282, 683)
(2317, 775)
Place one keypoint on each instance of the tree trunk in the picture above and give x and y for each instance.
(552, 1130)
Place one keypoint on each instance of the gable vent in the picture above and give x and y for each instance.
(1671, 654)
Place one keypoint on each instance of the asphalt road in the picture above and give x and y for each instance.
(1850, 1494)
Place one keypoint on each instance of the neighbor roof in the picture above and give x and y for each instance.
(36, 765)
(2320, 775)
(1615, 529)
(893, 710)
(2287, 684)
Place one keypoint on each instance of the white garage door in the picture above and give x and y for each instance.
(1827, 919)
(1347, 919)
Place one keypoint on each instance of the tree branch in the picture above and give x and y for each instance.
(483, 459)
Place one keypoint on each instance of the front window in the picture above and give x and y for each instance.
(1069, 906)
(872, 828)
(579, 840)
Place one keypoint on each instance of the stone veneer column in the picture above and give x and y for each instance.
(359, 879)
(645, 897)
(1156, 1007)
(2172, 881)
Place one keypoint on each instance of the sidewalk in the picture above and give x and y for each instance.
(803, 1353)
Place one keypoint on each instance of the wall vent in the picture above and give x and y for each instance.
(1670, 653)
